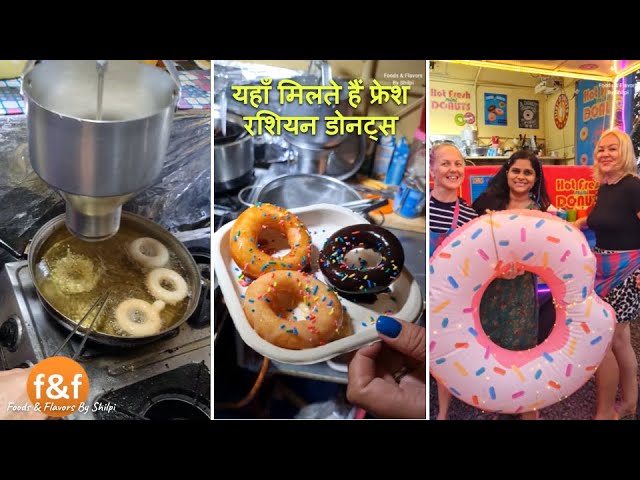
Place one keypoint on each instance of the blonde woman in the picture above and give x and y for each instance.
(615, 219)
(446, 213)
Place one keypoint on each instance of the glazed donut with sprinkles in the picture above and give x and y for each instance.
(250, 255)
(292, 310)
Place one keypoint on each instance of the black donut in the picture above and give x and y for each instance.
(365, 279)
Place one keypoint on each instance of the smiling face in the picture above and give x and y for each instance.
(608, 157)
(521, 176)
(447, 169)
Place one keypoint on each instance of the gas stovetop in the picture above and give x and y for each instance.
(226, 207)
(169, 378)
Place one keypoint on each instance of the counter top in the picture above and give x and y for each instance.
(506, 157)
(499, 160)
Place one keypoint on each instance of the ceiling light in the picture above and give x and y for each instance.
(535, 70)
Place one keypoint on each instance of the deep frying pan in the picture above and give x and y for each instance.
(148, 228)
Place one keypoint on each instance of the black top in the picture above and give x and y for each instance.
(441, 214)
(614, 217)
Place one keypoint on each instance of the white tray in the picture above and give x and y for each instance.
(322, 221)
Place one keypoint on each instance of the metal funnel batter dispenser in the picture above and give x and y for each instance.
(98, 134)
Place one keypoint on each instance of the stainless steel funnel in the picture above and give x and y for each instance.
(97, 165)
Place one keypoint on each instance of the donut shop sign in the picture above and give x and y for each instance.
(450, 99)
(561, 111)
(593, 114)
(452, 107)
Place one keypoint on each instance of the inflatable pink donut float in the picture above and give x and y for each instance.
(462, 357)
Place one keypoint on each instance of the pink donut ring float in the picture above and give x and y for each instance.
(462, 357)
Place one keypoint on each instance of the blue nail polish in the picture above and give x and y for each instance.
(388, 326)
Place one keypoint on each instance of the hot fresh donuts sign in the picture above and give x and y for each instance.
(569, 187)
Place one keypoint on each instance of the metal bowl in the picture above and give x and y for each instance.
(301, 190)
(341, 162)
(478, 151)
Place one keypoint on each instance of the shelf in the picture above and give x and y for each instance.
(484, 160)
(503, 157)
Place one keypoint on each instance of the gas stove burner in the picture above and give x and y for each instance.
(233, 187)
(94, 350)
(221, 312)
(202, 315)
(174, 407)
(180, 394)
(154, 376)
(226, 207)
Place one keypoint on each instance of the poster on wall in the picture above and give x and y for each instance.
(528, 114)
(495, 109)
(452, 107)
(593, 114)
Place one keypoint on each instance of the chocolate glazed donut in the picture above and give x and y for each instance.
(365, 279)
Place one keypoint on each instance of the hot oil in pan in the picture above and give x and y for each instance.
(72, 274)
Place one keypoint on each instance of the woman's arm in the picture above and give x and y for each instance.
(581, 223)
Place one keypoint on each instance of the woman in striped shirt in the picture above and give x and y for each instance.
(447, 211)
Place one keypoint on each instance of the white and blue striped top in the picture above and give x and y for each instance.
(441, 215)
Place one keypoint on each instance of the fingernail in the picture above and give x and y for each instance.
(388, 326)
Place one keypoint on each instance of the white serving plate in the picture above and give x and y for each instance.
(322, 221)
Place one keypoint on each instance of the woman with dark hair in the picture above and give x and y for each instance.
(509, 307)
(518, 184)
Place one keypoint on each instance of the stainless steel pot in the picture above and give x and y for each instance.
(301, 190)
(97, 165)
(233, 156)
(149, 228)
(340, 162)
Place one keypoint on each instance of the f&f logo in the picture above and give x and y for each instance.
(57, 386)
(54, 391)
